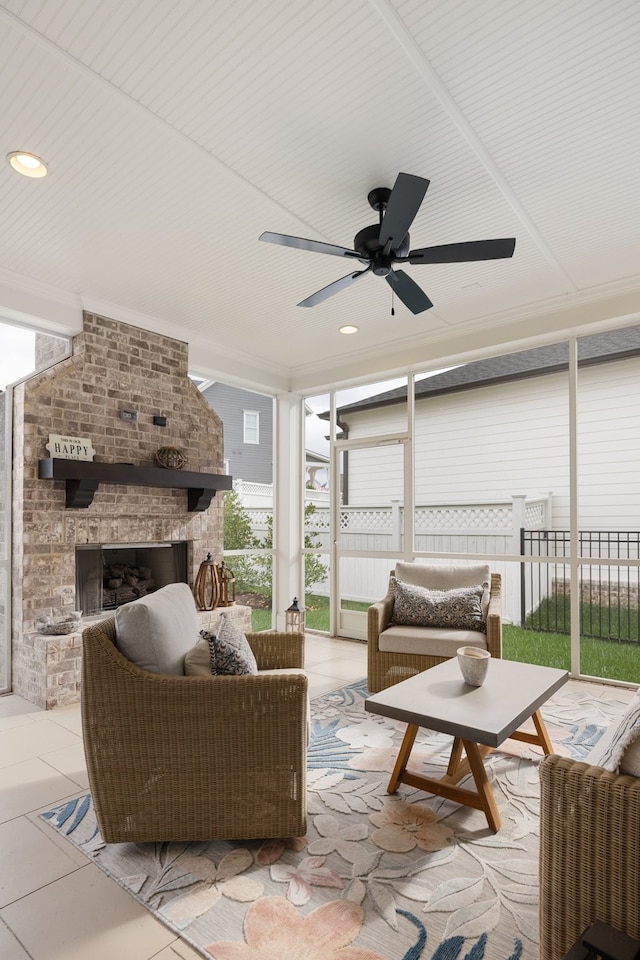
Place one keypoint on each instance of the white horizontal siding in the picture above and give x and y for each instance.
(513, 438)
(494, 442)
(609, 447)
(375, 475)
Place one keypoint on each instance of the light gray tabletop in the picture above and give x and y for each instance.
(439, 699)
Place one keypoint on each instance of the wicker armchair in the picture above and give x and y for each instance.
(386, 667)
(199, 757)
(589, 852)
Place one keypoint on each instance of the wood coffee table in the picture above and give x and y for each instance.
(478, 718)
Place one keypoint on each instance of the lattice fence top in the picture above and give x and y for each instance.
(259, 517)
(249, 487)
(481, 518)
(366, 519)
(535, 515)
(487, 518)
(318, 521)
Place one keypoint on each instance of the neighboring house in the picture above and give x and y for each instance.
(316, 455)
(248, 430)
(317, 471)
(499, 427)
(248, 436)
(492, 457)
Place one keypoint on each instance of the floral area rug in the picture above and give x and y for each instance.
(378, 877)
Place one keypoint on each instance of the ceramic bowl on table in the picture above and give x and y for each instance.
(474, 663)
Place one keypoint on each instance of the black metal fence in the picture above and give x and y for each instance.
(608, 594)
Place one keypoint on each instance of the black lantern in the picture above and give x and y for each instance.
(294, 618)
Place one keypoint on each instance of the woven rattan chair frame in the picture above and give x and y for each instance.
(386, 667)
(589, 852)
(195, 758)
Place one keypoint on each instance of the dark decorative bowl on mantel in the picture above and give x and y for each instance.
(170, 457)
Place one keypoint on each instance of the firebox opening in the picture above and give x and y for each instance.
(108, 575)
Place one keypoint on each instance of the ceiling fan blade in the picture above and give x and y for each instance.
(333, 288)
(407, 290)
(407, 195)
(464, 252)
(314, 246)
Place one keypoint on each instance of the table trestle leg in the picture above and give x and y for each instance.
(458, 767)
(405, 752)
(540, 738)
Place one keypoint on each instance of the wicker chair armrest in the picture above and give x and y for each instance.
(577, 790)
(589, 852)
(494, 617)
(187, 718)
(274, 650)
(379, 618)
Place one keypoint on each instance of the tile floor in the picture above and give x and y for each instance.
(54, 904)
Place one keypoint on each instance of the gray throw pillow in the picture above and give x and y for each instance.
(229, 650)
(458, 609)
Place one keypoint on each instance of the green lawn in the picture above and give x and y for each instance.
(611, 623)
(316, 613)
(610, 659)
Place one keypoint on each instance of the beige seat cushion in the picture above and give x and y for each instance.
(428, 641)
(155, 632)
(197, 663)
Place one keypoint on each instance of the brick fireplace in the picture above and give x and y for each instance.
(114, 367)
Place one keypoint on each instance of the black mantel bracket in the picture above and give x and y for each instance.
(82, 478)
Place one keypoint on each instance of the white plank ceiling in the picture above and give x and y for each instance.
(176, 131)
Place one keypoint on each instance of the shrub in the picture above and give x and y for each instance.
(315, 571)
(238, 535)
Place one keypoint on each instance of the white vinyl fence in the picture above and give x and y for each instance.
(488, 528)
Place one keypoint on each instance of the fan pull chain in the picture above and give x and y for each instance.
(393, 294)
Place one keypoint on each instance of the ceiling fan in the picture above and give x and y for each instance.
(386, 243)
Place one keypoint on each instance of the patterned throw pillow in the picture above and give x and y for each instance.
(458, 609)
(229, 650)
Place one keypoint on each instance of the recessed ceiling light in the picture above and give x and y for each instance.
(348, 329)
(27, 164)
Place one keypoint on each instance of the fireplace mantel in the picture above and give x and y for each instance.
(82, 478)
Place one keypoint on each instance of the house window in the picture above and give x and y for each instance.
(251, 432)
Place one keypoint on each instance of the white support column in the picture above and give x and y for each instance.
(288, 561)
(396, 528)
(518, 519)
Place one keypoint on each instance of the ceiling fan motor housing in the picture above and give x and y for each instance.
(367, 242)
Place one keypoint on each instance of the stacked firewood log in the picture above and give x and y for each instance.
(123, 583)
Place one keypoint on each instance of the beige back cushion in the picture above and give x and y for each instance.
(443, 576)
(156, 631)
